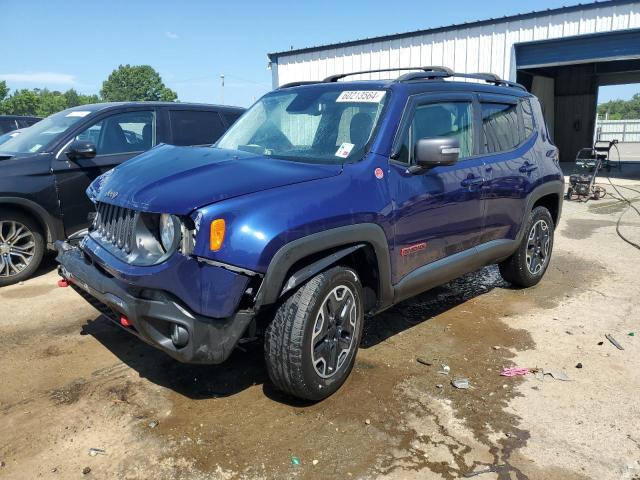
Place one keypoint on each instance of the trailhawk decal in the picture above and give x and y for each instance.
(360, 96)
(413, 249)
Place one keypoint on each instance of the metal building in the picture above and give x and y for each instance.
(560, 55)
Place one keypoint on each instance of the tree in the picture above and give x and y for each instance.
(135, 83)
(621, 109)
(4, 90)
(21, 102)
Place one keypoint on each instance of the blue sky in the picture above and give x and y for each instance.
(77, 44)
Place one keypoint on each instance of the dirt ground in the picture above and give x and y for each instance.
(71, 381)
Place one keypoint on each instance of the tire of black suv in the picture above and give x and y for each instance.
(21, 247)
(311, 344)
(526, 267)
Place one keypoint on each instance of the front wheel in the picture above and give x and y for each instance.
(21, 247)
(311, 344)
(526, 267)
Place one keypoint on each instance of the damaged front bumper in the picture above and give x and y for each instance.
(153, 315)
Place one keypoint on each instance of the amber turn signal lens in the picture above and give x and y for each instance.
(216, 238)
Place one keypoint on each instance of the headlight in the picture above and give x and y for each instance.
(169, 230)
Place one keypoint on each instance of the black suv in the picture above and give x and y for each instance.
(45, 171)
(9, 123)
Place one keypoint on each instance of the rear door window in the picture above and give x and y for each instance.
(502, 130)
(527, 118)
(231, 117)
(195, 127)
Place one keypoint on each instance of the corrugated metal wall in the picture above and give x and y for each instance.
(486, 48)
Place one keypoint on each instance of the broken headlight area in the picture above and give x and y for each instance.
(141, 238)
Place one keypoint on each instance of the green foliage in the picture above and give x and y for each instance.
(621, 109)
(127, 83)
(42, 103)
(4, 90)
(135, 83)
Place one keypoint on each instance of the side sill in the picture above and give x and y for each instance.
(446, 269)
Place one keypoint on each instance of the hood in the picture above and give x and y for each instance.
(177, 180)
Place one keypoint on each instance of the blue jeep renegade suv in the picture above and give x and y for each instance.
(326, 202)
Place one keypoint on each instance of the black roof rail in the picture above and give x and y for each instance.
(487, 77)
(416, 74)
(339, 76)
(297, 84)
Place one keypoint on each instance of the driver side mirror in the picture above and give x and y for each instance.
(81, 149)
(433, 152)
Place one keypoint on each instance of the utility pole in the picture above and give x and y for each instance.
(222, 89)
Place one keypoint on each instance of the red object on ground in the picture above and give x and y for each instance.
(62, 283)
(124, 321)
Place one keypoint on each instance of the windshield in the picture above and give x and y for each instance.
(37, 136)
(327, 124)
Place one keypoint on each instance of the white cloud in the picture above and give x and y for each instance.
(41, 78)
(172, 35)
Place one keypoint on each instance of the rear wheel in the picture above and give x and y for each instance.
(311, 344)
(21, 247)
(527, 265)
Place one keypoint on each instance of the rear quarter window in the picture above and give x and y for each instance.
(195, 127)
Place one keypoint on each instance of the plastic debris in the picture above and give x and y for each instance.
(632, 334)
(513, 371)
(557, 375)
(492, 468)
(614, 341)
(295, 460)
(86, 470)
(496, 347)
(444, 369)
(461, 383)
(153, 424)
(96, 451)
(439, 385)
(315, 462)
(424, 361)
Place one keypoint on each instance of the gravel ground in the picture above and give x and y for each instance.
(72, 381)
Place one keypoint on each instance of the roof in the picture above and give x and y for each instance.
(479, 23)
(94, 107)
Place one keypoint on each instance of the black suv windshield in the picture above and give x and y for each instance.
(39, 135)
(319, 123)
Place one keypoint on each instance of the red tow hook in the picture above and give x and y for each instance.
(63, 283)
(124, 321)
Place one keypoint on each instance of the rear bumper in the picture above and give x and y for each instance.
(152, 313)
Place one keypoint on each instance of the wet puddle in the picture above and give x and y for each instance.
(392, 415)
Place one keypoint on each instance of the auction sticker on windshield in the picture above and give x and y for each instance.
(344, 150)
(359, 96)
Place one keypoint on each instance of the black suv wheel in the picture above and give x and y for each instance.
(527, 266)
(21, 247)
(311, 344)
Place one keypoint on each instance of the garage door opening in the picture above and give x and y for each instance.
(618, 118)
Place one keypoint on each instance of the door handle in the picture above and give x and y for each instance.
(527, 168)
(470, 182)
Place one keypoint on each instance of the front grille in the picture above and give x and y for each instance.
(116, 225)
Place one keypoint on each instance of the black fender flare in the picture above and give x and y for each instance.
(53, 227)
(352, 237)
(555, 187)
